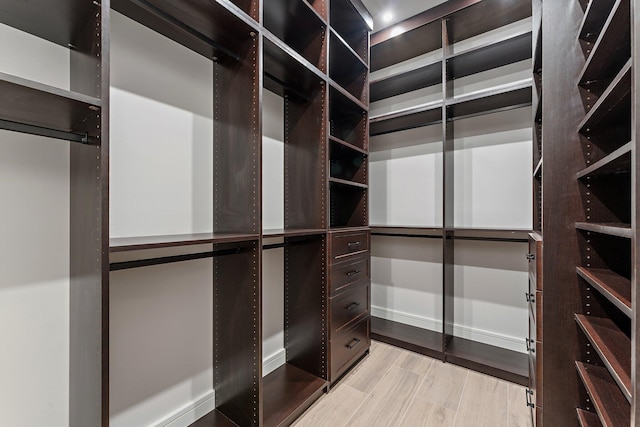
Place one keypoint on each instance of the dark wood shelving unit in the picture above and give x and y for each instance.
(408, 81)
(424, 115)
(618, 162)
(588, 419)
(281, 232)
(614, 287)
(127, 244)
(347, 119)
(488, 234)
(347, 69)
(612, 407)
(429, 232)
(415, 339)
(609, 229)
(214, 418)
(347, 164)
(352, 27)
(347, 183)
(594, 19)
(500, 98)
(338, 141)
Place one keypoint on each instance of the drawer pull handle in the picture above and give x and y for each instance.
(354, 342)
(351, 245)
(352, 305)
(530, 297)
(530, 348)
(529, 395)
(353, 272)
(530, 257)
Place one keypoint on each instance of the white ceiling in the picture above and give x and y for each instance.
(401, 9)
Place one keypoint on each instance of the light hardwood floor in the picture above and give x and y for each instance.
(395, 387)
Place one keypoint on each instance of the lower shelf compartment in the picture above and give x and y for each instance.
(498, 362)
(214, 418)
(411, 338)
(588, 419)
(288, 392)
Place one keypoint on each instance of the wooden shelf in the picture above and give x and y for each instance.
(410, 44)
(300, 27)
(488, 234)
(614, 101)
(418, 78)
(588, 419)
(347, 117)
(31, 107)
(409, 118)
(537, 171)
(610, 229)
(615, 163)
(59, 22)
(615, 288)
(339, 141)
(347, 183)
(499, 362)
(348, 71)
(341, 43)
(507, 51)
(412, 338)
(594, 19)
(398, 231)
(613, 409)
(288, 391)
(214, 418)
(499, 98)
(127, 244)
(351, 26)
(214, 29)
(613, 347)
(612, 48)
(280, 232)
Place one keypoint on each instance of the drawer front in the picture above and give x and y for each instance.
(346, 308)
(348, 273)
(347, 347)
(344, 245)
(531, 340)
(539, 385)
(539, 317)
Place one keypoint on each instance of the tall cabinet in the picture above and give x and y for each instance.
(315, 55)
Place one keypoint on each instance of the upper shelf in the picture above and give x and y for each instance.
(347, 69)
(58, 21)
(594, 18)
(612, 48)
(417, 78)
(35, 108)
(491, 55)
(352, 26)
(214, 29)
(499, 98)
(126, 244)
(410, 118)
(423, 32)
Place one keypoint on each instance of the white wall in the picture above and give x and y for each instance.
(34, 252)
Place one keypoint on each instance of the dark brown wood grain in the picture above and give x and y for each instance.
(348, 347)
(346, 245)
(613, 409)
(614, 287)
(351, 26)
(408, 81)
(214, 418)
(588, 419)
(412, 338)
(348, 308)
(348, 70)
(350, 272)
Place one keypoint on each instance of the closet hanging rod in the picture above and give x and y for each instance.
(126, 265)
(419, 236)
(287, 87)
(186, 28)
(82, 138)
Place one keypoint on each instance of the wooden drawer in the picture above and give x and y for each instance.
(348, 307)
(348, 273)
(347, 347)
(535, 261)
(344, 245)
(531, 339)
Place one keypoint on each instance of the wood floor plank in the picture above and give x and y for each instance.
(366, 376)
(388, 402)
(426, 414)
(519, 413)
(414, 362)
(484, 402)
(334, 409)
(443, 385)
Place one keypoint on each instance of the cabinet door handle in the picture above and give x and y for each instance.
(528, 395)
(530, 297)
(353, 272)
(351, 245)
(354, 342)
(530, 257)
(352, 306)
(530, 348)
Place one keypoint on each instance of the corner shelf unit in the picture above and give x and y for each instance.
(318, 62)
(440, 28)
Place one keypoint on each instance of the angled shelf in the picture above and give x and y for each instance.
(615, 163)
(215, 29)
(127, 244)
(288, 391)
(499, 362)
(418, 78)
(300, 27)
(500, 98)
(348, 70)
(409, 337)
(612, 103)
(31, 107)
(214, 418)
(409, 118)
(334, 140)
(613, 347)
(612, 48)
(352, 26)
(594, 19)
(588, 419)
(59, 22)
(613, 409)
(614, 287)
(402, 231)
(610, 229)
(491, 55)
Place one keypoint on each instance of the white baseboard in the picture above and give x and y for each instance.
(191, 412)
(273, 362)
(462, 331)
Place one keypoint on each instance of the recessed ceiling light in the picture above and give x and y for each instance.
(387, 16)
